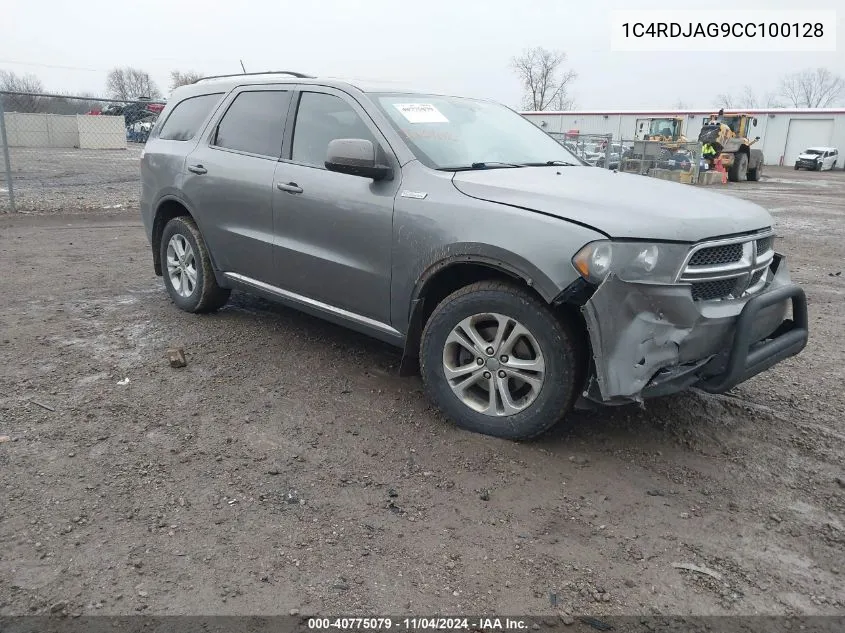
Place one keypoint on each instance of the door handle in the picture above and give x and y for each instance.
(290, 187)
(197, 169)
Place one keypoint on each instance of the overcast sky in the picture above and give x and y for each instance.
(454, 46)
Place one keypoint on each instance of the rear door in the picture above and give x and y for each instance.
(333, 231)
(229, 179)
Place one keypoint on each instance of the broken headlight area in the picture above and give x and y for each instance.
(654, 262)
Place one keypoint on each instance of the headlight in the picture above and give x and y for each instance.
(630, 261)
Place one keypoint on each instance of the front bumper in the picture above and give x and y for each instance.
(807, 164)
(653, 339)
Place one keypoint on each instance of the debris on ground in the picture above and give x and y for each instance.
(125, 381)
(176, 357)
(698, 569)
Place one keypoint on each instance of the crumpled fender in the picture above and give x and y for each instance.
(643, 322)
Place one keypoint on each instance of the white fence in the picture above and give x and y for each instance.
(58, 130)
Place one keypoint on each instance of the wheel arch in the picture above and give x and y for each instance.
(447, 275)
(168, 208)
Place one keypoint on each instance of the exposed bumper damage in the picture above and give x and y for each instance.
(653, 339)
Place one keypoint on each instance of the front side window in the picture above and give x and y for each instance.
(254, 123)
(187, 116)
(320, 119)
(459, 133)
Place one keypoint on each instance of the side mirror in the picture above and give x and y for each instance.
(754, 122)
(356, 157)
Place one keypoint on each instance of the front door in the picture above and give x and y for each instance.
(229, 180)
(333, 231)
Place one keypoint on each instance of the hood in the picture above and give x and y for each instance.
(619, 205)
(809, 156)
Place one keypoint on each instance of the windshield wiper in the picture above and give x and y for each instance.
(549, 163)
(491, 164)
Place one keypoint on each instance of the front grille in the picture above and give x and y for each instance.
(729, 268)
(710, 290)
(717, 255)
(764, 244)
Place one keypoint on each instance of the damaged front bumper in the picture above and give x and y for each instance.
(653, 339)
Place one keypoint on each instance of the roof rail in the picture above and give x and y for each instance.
(266, 72)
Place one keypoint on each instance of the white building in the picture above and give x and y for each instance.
(783, 132)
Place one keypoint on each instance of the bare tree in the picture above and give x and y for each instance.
(680, 104)
(545, 82)
(809, 88)
(129, 84)
(11, 82)
(179, 78)
(748, 99)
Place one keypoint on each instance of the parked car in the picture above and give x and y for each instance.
(516, 281)
(675, 161)
(617, 153)
(818, 158)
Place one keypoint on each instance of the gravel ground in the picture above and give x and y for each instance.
(287, 467)
(77, 180)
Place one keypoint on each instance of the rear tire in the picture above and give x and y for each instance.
(486, 336)
(187, 270)
(756, 173)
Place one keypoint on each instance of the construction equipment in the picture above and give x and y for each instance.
(664, 130)
(655, 137)
(728, 136)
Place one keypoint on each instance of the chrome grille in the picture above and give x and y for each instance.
(717, 255)
(728, 268)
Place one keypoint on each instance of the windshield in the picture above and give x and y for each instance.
(662, 127)
(813, 151)
(459, 133)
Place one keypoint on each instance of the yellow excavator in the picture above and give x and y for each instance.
(725, 139)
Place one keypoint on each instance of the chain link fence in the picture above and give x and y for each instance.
(64, 152)
(680, 162)
(593, 149)
(667, 160)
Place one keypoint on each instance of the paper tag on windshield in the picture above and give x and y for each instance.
(420, 113)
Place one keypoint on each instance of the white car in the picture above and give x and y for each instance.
(818, 158)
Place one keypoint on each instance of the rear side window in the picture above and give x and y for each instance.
(254, 123)
(185, 120)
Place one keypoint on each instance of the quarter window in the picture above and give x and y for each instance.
(254, 123)
(187, 116)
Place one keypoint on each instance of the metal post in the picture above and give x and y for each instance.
(4, 140)
(608, 139)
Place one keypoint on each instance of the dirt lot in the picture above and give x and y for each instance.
(287, 467)
(58, 180)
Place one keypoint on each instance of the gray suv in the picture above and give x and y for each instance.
(517, 281)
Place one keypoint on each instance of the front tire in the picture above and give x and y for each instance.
(497, 361)
(739, 170)
(756, 173)
(187, 270)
